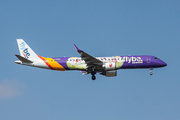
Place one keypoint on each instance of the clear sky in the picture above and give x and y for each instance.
(100, 28)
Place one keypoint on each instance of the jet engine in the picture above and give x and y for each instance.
(109, 66)
(112, 73)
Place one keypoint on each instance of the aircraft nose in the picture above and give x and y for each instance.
(162, 63)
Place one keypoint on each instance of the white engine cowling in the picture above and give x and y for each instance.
(110, 66)
(110, 73)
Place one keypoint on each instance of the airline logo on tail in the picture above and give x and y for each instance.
(24, 50)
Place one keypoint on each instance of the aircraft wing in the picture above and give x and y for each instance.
(89, 60)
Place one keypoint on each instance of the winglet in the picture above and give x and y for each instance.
(78, 50)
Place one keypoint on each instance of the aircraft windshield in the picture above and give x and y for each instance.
(156, 58)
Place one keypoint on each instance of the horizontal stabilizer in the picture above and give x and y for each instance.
(22, 59)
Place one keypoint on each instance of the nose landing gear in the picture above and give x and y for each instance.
(151, 73)
(150, 69)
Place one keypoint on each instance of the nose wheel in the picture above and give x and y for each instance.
(150, 69)
(151, 73)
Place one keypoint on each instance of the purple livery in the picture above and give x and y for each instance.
(86, 63)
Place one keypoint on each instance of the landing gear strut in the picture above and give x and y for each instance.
(150, 69)
(93, 73)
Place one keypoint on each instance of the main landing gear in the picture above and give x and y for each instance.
(93, 72)
(150, 69)
(93, 75)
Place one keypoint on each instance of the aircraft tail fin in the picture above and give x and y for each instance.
(25, 51)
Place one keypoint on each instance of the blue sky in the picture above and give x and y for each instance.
(100, 28)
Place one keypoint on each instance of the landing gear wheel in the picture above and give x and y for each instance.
(150, 69)
(93, 77)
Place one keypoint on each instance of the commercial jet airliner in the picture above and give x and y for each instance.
(86, 63)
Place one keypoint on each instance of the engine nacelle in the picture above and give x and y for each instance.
(109, 66)
(112, 73)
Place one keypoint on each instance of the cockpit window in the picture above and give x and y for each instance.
(156, 58)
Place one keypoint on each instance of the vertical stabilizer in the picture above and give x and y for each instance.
(26, 51)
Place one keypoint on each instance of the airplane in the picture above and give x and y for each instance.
(86, 64)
